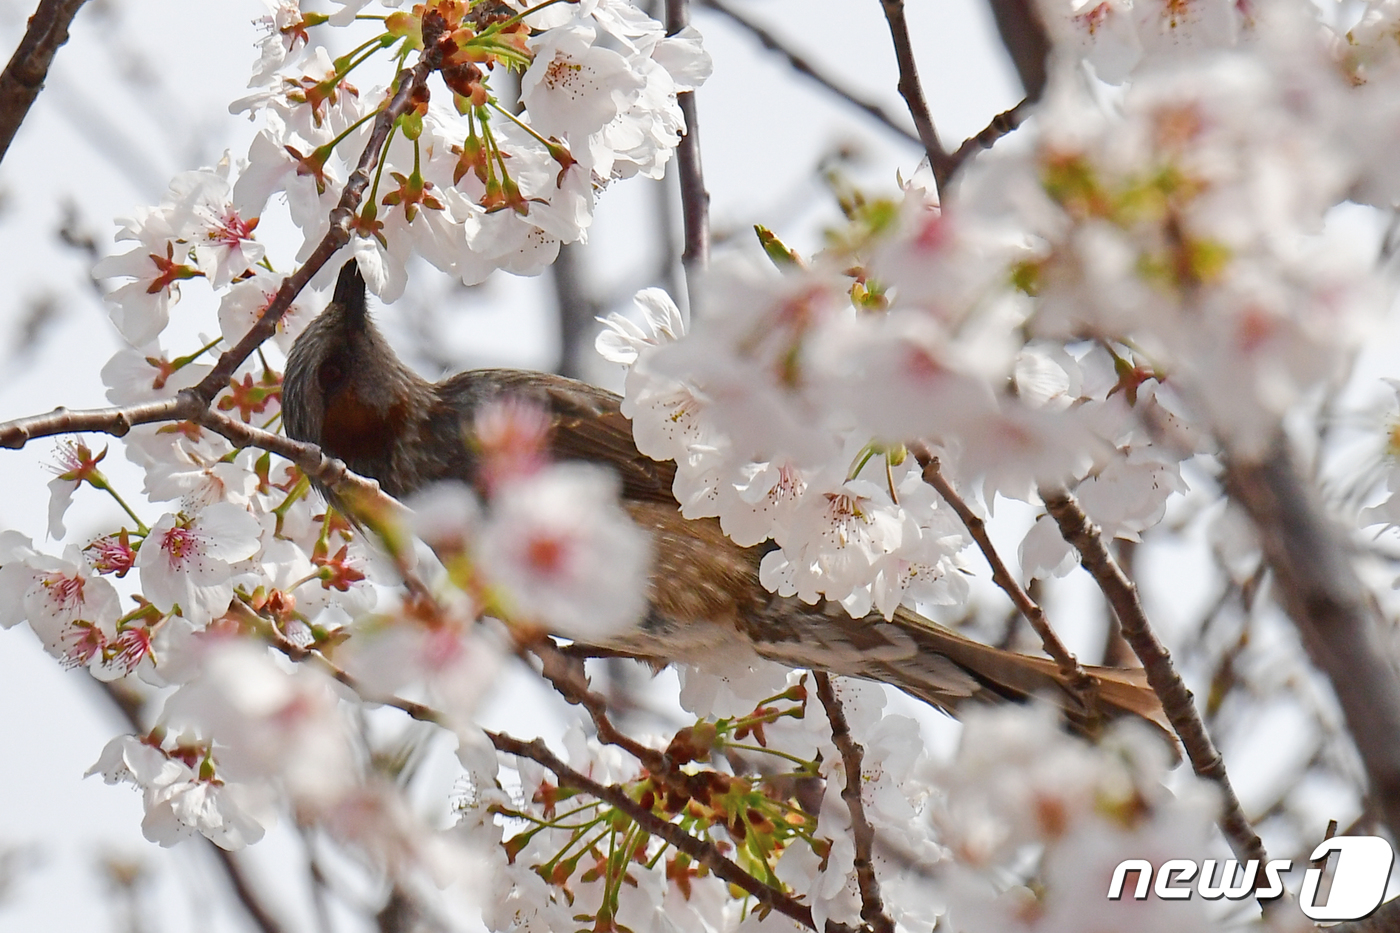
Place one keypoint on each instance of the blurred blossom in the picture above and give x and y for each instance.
(181, 801)
(561, 552)
(267, 723)
(1019, 785)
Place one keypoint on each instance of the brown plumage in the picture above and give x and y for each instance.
(346, 391)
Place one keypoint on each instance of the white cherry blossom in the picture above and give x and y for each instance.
(266, 723)
(185, 560)
(623, 341)
(141, 307)
(286, 32)
(246, 299)
(70, 608)
(218, 229)
(180, 802)
(575, 87)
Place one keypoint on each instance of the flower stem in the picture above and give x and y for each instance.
(807, 766)
(518, 122)
(507, 23)
(100, 482)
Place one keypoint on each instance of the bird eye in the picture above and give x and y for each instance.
(330, 375)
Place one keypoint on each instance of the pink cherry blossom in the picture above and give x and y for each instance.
(564, 554)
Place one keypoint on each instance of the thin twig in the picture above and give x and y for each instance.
(702, 851)
(23, 78)
(410, 90)
(75, 235)
(1000, 125)
(1026, 41)
(872, 907)
(913, 92)
(1341, 627)
(233, 870)
(1177, 702)
(562, 671)
(801, 65)
(1078, 680)
(695, 200)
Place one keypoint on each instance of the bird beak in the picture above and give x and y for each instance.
(350, 293)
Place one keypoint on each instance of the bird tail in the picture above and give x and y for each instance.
(950, 671)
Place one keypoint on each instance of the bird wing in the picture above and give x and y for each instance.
(588, 424)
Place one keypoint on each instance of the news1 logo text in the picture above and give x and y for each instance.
(1359, 878)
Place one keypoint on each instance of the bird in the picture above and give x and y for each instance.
(346, 391)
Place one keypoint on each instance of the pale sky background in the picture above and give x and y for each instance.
(141, 92)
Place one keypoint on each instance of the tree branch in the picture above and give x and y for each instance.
(1000, 125)
(360, 497)
(576, 308)
(1177, 702)
(328, 471)
(872, 907)
(23, 78)
(411, 87)
(701, 850)
(801, 65)
(117, 422)
(562, 671)
(114, 421)
(695, 200)
(1026, 41)
(1075, 676)
(1337, 618)
(913, 93)
(233, 870)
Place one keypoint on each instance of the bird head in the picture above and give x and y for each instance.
(344, 388)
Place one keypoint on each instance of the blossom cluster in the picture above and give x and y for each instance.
(1036, 823)
(1124, 287)
(565, 858)
(464, 181)
(247, 571)
(476, 187)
